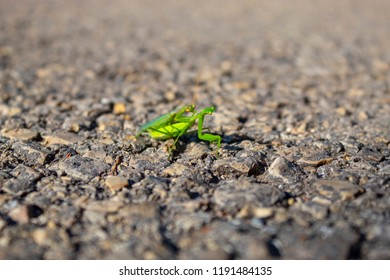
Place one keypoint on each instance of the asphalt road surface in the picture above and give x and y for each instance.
(302, 103)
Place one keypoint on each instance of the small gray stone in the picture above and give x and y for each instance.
(110, 123)
(228, 168)
(322, 201)
(4, 176)
(26, 173)
(64, 215)
(75, 124)
(32, 153)
(287, 171)
(244, 163)
(318, 211)
(61, 138)
(196, 150)
(81, 167)
(249, 211)
(18, 186)
(370, 155)
(337, 189)
(176, 169)
(20, 134)
(351, 145)
(316, 159)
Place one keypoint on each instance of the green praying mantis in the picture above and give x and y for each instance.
(176, 123)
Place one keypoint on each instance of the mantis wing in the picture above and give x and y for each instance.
(157, 122)
(170, 131)
(167, 119)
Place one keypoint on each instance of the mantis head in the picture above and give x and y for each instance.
(208, 110)
(190, 108)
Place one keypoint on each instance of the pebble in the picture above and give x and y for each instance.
(23, 134)
(262, 212)
(246, 162)
(316, 210)
(61, 138)
(115, 183)
(40, 236)
(25, 173)
(3, 177)
(337, 189)
(18, 186)
(109, 122)
(322, 201)
(233, 168)
(176, 169)
(256, 212)
(316, 159)
(351, 145)
(119, 108)
(20, 214)
(370, 155)
(97, 155)
(196, 150)
(76, 124)
(287, 171)
(81, 167)
(32, 153)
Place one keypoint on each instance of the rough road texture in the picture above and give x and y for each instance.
(302, 100)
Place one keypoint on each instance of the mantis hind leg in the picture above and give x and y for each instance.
(173, 132)
(184, 130)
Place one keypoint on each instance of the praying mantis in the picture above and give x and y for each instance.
(176, 123)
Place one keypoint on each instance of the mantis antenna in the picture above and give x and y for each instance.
(194, 97)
